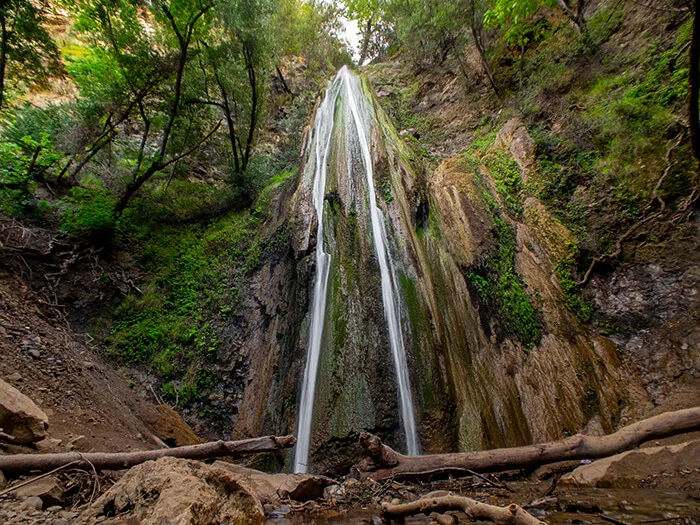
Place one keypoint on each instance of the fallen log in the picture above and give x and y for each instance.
(25, 463)
(511, 515)
(382, 462)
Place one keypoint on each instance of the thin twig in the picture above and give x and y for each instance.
(490, 482)
(610, 519)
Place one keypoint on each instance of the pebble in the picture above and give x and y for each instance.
(34, 353)
(34, 502)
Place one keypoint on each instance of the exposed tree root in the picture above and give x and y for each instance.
(511, 515)
(654, 200)
(382, 462)
(24, 463)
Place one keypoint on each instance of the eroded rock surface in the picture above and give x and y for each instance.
(180, 492)
(630, 468)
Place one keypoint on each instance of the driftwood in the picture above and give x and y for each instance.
(24, 463)
(511, 515)
(382, 462)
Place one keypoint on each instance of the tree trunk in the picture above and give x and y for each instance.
(284, 82)
(695, 86)
(3, 56)
(577, 17)
(382, 462)
(475, 510)
(24, 463)
(252, 80)
(476, 35)
(365, 40)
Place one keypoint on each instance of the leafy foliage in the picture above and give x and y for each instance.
(25, 44)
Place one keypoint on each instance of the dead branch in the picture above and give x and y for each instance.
(511, 515)
(382, 462)
(24, 463)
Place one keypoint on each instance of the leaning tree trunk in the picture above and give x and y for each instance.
(365, 40)
(24, 463)
(382, 462)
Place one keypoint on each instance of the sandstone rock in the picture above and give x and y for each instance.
(172, 429)
(48, 489)
(180, 492)
(630, 468)
(20, 417)
(514, 137)
(272, 488)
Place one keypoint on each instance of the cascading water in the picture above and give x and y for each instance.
(354, 101)
(323, 128)
(389, 289)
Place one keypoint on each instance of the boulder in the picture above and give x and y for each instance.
(630, 468)
(48, 489)
(271, 489)
(172, 429)
(179, 492)
(20, 417)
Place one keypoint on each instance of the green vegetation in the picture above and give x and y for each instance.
(194, 275)
(502, 289)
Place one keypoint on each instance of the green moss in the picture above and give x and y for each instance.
(506, 176)
(590, 403)
(582, 308)
(502, 290)
(420, 327)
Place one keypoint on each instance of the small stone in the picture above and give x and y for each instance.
(15, 376)
(80, 444)
(48, 490)
(396, 501)
(376, 520)
(89, 365)
(34, 353)
(34, 502)
(55, 508)
(48, 445)
(280, 512)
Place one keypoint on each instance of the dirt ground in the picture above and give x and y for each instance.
(71, 381)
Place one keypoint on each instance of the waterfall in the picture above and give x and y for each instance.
(323, 128)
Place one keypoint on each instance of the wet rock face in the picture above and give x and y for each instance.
(20, 417)
(474, 384)
(650, 307)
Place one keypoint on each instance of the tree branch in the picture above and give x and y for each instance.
(23, 463)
